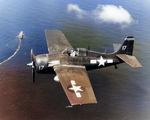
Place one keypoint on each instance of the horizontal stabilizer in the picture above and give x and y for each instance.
(131, 60)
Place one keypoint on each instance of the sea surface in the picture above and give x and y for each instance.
(122, 94)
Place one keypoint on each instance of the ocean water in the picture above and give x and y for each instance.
(122, 94)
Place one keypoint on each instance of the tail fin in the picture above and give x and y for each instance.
(125, 52)
(127, 46)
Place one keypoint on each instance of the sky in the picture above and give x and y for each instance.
(103, 13)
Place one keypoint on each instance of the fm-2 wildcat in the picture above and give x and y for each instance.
(70, 64)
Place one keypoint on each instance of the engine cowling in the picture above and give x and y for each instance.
(41, 63)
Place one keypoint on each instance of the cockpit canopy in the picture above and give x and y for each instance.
(80, 52)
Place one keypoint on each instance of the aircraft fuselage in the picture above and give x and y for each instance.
(89, 59)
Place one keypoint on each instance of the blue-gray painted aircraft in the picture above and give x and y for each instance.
(70, 64)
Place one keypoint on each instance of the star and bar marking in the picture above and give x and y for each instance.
(101, 61)
(75, 88)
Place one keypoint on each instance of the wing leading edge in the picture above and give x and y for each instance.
(76, 84)
(56, 41)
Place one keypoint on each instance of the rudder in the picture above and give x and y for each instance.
(127, 46)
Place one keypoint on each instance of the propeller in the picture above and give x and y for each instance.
(33, 73)
(33, 59)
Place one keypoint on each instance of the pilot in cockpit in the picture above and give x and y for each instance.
(69, 52)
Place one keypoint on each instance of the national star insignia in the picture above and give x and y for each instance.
(75, 88)
(101, 61)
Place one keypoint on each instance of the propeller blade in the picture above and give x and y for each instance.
(33, 74)
(32, 56)
(33, 59)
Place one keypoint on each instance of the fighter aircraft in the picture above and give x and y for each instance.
(70, 64)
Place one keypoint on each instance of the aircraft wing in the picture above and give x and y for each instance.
(56, 41)
(76, 84)
(131, 60)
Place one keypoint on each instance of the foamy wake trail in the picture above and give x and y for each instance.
(13, 54)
